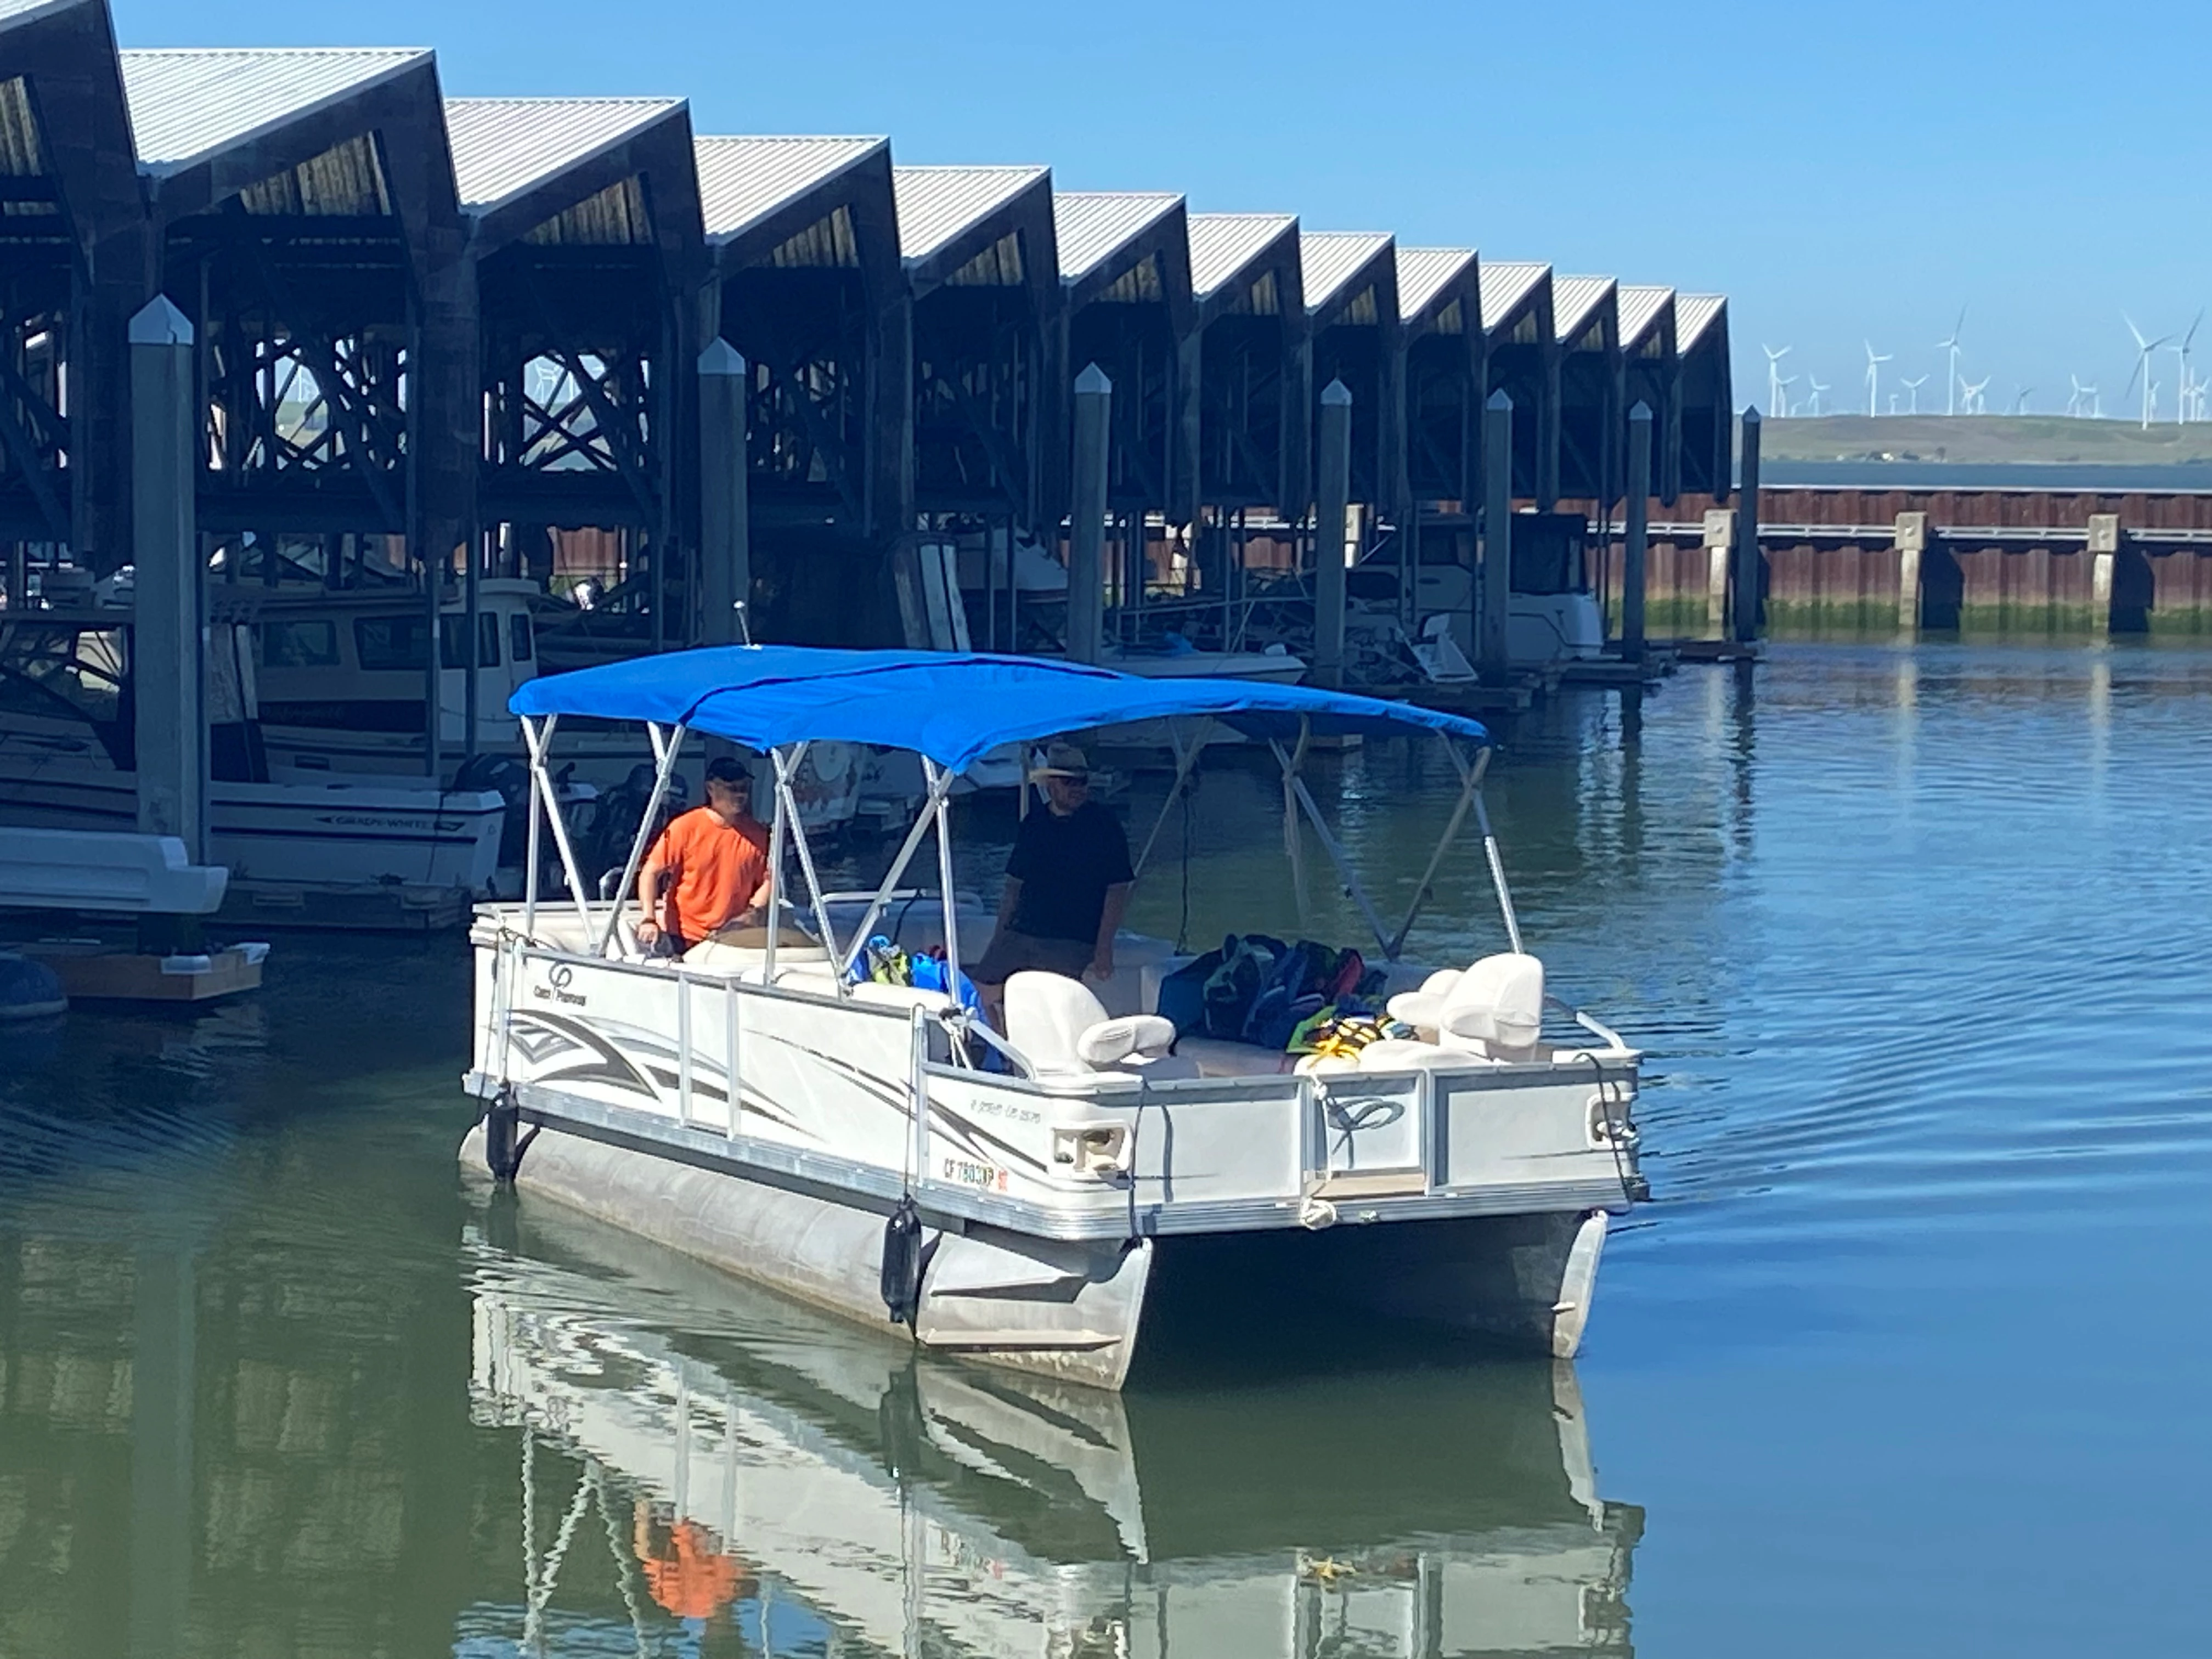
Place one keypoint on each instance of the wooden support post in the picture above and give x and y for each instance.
(1746, 607)
(1086, 538)
(725, 541)
(165, 660)
(1492, 655)
(1637, 549)
(1912, 545)
(1332, 500)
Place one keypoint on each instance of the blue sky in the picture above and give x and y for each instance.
(1841, 173)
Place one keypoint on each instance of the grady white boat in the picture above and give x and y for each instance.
(819, 1476)
(753, 1105)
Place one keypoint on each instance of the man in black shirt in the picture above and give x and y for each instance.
(1067, 884)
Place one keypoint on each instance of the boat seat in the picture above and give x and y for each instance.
(1494, 1009)
(1063, 1031)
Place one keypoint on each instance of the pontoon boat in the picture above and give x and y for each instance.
(1019, 1195)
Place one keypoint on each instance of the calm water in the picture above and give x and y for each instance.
(1909, 1356)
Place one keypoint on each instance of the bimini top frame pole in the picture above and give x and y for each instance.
(538, 740)
(665, 747)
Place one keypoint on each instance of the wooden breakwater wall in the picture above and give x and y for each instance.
(1985, 560)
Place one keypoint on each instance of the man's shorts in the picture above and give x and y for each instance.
(1012, 953)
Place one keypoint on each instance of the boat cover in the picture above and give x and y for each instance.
(954, 706)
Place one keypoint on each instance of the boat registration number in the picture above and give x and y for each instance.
(987, 1176)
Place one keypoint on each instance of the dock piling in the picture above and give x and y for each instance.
(1086, 537)
(725, 545)
(172, 743)
(1493, 655)
(1636, 547)
(1911, 543)
(1746, 605)
(1332, 502)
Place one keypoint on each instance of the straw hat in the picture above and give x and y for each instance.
(1062, 759)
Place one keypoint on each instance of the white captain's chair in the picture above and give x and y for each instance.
(1494, 1009)
(1063, 1030)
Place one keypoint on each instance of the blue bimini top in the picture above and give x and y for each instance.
(952, 707)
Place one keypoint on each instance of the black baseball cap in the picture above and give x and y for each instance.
(728, 768)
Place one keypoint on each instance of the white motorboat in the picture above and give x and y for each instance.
(341, 683)
(754, 1105)
(799, 1476)
(66, 763)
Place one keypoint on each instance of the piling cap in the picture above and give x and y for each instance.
(1499, 401)
(1642, 411)
(1094, 382)
(158, 322)
(720, 358)
(1336, 392)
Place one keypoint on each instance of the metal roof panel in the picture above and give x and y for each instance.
(742, 181)
(1224, 244)
(21, 11)
(1091, 225)
(1425, 272)
(936, 204)
(503, 146)
(1693, 314)
(187, 104)
(1573, 299)
(1640, 309)
(1506, 286)
(1333, 258)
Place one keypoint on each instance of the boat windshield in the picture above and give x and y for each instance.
(55, 671)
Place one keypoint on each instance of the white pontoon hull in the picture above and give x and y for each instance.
(1491, 1181)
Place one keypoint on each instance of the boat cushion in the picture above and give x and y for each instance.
(1495, 1008)
(1146, 1036)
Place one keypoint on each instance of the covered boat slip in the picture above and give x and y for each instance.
(755, 1106)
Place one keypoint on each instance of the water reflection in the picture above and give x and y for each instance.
(738, 1471)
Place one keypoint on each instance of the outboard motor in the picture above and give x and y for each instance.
(621, 809)
(507, 778)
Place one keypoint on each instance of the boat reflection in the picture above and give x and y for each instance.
(810, 1488)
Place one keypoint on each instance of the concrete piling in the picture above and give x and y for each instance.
(1492, 653)
(1086, 541)
(725, 541)
(166, 663)
(1911, 546)
(1332, 502)
(1636, 550)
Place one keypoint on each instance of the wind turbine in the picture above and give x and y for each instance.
(1875, 360)
(1816, 386)
(1913, 391)
(1973, 391)
(1951, 368)
(2181, 351)
(2144, 348)
(1774, 381)
(2074, 403)
(2019, 403)
(1781, 384)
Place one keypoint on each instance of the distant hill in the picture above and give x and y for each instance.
(1985, 440)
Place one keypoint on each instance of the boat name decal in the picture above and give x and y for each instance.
(556, 988)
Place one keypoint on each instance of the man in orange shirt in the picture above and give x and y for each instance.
(708, 869)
